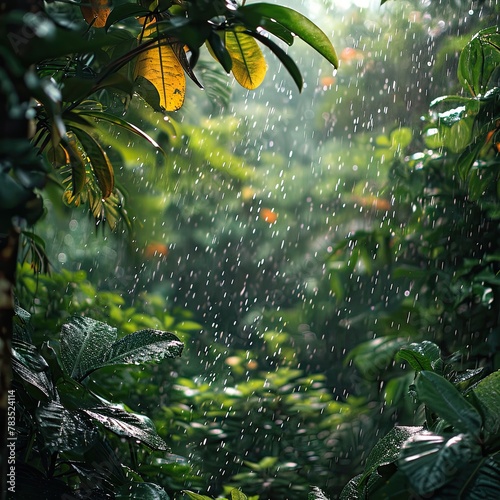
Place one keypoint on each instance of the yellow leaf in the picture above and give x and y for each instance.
(160, 65)
(97, 12)
(249, 66)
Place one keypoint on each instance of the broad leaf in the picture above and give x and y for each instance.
(249, 66)
(142, 347)
(386, 451)
(97, 12)
(31, 367)
(430, 461)
(350, 490)
(63, 430)
(447, 402)
(294, 22)
(421, 356)
(84, 345)
(163, 69)
(99, 162)
(237, 495)
(479, 60)
(488, 394)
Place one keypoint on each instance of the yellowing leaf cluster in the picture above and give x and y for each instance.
(161, 66)
(96, 12)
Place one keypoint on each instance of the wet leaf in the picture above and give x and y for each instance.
(488, 395)
(142, 347)
(295, 23)
(99, 162)
(249, 66)
(161, 66)
(447, 402)
(430, 461)
(63, 430)
(84, 345)
(123, 423)
(421, 356)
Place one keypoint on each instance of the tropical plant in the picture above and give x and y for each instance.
(455, 453)
(64, 78)
(63, 442)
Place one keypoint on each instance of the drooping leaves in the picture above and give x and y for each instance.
(249, 66)
(99, 162)
(141, 491)
(264, 15)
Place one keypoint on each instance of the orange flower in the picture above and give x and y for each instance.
(156, 250)
(267, 215)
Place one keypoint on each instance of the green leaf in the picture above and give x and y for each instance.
(373, 357)
(141, 491)
(125, 11)
(285, 59)
(219, 51)
(142, 347)
(196, 496)
(294, 22)
(430, 461)
(447, 402)
(115, 120)
(101, 166)
(350, 490)
(31, 367)
(386, 451)
(63, 430)
(421, 356)
(130, 425)
(85, 343)
(487, 393)
(479, 60)
(237, 494)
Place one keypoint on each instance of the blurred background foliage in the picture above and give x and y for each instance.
(295, 243)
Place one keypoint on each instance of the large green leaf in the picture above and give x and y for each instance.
(63, 430)
(421, 356)
(479, 60)
(142, 347)
(130, 425)
(85, 343)
(31, 367)
(431, 461)
(350, 490)
(386, 451)
(447, 402)
(292, 21)
(487, 393)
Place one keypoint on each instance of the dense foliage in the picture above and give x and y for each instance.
(309, 356)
